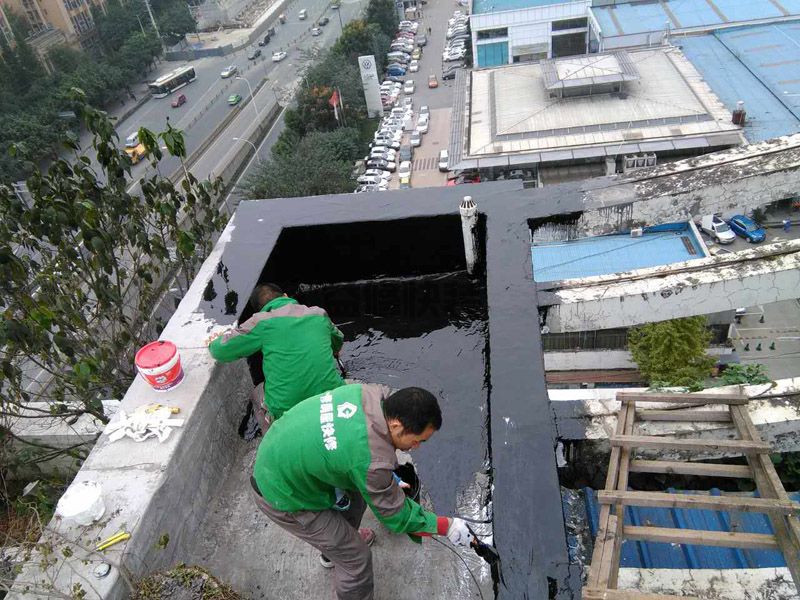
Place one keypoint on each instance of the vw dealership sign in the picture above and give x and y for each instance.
(371, 85)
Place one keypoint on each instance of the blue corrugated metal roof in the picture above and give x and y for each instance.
(614, 253)
(651, 555)
(716, 57)
(643, 17)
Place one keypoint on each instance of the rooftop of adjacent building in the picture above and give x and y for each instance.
(512, 112)
(603, 255)
(754, 64)
(642, 17)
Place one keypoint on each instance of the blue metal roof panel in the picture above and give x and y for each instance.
(716, 58)
(650, 555)
(643, 17)
(606, 254)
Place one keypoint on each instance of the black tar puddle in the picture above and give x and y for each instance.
(429, 332)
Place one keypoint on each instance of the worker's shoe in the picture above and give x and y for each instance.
(368, 535)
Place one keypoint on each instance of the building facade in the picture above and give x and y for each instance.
(72, 18)
(514, 31)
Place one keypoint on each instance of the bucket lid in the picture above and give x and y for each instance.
(155, 354)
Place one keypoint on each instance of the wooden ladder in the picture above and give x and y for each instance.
(774, 501)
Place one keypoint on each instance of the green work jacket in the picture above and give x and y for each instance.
(297, 344)
(339, 439)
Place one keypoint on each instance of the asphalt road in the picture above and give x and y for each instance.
(207, 96)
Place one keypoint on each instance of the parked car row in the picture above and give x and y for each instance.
(458, 38)
(725, 232)
(388, 153)
(403, 51)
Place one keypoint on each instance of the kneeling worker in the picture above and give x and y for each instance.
(298, 344)
(346, 439)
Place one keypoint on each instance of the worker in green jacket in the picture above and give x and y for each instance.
(346, 439)
(299, 345)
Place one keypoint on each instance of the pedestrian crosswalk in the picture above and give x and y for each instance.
(425, 164)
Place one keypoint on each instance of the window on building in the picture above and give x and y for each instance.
(569, 44)
(569, 24)
(492, 55)
(488, 34)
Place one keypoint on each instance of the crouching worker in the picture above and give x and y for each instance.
(298, 344)
(346, 439)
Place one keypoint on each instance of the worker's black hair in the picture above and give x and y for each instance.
(264, 293)
(415, 408)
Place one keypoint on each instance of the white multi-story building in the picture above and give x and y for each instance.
(513, 31)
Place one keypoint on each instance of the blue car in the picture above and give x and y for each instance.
(747, 228)
(395, 71)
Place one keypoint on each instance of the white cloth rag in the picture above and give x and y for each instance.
(143, 423)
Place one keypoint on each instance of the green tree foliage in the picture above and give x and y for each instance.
(672, 352)
(753, 373)
(31, 99)
(175, 21)
(383, 14)
(292, 172)
(83, 264)
(319, 163)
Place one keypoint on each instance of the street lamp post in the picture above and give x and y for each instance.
(252, 97)
(255, 150)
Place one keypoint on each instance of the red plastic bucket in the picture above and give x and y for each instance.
(160, 365)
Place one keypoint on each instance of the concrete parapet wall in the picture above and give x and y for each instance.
(158, 492)
(711, 584)
(727, 182)
(769, 273)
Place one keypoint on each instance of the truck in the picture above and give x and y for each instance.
(134, 148)
(717, 228)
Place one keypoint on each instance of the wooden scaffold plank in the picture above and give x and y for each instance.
(725, 503)
(725, 539)
(702, 398)
(711, 416)
(700, 445)
(601, 594)
(689, 468)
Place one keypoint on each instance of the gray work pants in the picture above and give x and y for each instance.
(334, 534)
(260, 411)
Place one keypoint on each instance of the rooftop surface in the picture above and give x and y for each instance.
(489, 6)
(603, 255)
(757, 65)
(642, 17)
(512, 113)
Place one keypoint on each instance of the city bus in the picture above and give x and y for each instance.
(166, 84)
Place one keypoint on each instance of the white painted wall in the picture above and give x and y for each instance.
(666, 292)
(527, 26)
(593, 360)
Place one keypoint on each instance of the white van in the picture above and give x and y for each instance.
(443, 160)
(302, 15)
(718, 229)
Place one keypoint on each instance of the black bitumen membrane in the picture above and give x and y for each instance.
(344, 250)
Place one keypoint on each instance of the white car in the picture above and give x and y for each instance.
(416, 138)
(404, 170)
(408, 103)
(278, 56)
(424, 111)
(414, 66)
(383, 152)
(443, 158)
(315, 31)
(393, 134)
(378, 173)
(373, 180)
(408, 88)
(229, 71)
(422, 125)
(453, 56)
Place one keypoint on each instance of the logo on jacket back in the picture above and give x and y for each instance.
(346, 410)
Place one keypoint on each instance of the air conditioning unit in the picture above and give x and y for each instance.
(650, 159)
(640, 160)
(638, 232)
(628, 162)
